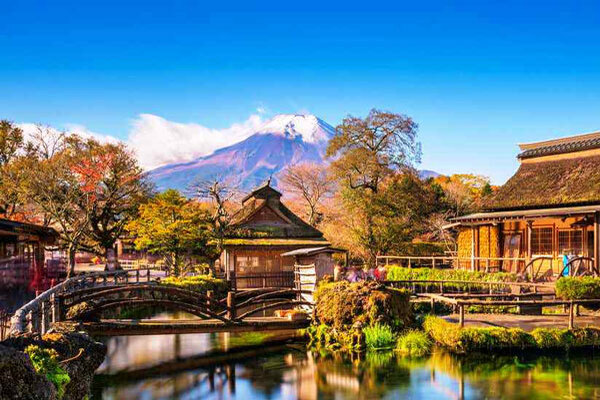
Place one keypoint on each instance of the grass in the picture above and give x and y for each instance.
(379, 337)
(414, 344)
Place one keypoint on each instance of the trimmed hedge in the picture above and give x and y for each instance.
(397, 273)
(198, 283)
(574, 288)
(342, 304)
(463, 340)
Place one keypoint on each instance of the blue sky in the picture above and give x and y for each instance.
(478, 77)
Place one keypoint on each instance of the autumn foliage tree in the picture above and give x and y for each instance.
(368, 154)
(113, 185)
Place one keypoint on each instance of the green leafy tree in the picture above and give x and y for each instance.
(11, 144)
(174, 227)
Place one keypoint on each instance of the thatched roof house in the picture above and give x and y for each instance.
(265, 229)
(549, 207)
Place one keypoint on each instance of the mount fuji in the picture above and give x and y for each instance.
(286, 139)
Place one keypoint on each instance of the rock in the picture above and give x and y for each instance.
(18, 379)
(79, 354)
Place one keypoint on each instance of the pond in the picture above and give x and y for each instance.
(194, 366)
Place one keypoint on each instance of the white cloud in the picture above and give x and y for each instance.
(30, 130)
(86, 133)
(158, 141)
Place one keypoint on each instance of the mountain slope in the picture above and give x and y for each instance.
(284, 140)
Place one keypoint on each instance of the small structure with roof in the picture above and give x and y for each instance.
(265, 230)
(548, 209)
(22, 252)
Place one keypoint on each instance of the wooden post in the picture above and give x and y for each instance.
(472, 248)
(571, 315)
(137, 275)
(209, 295)
(596, 242)
(529, 247)
(231, 311)
(442, 287)
(461, 315)
(433, 305)
(148, 275)
(433, 262)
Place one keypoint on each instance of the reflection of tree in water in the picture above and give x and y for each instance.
(266, 373)
(363, 375)
(524, 376)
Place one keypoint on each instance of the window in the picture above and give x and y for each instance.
(570, 241)
(541, 240)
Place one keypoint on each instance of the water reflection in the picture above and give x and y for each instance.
(180, 369)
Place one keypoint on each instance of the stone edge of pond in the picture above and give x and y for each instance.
(78, 353)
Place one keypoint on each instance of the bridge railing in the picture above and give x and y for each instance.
(41, 312)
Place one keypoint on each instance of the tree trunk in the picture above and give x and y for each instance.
(71, 250)
(112, 263)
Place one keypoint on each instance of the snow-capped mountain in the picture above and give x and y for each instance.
(284, 140)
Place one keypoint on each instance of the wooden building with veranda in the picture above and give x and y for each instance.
(548, 209)
(265, 231)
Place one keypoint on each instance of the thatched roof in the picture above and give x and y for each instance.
(264, 215)
(560, 182)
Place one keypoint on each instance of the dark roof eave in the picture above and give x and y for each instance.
(531, 213)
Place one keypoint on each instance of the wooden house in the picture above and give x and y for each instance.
(549, 208)
(22, 252)
(265, 230)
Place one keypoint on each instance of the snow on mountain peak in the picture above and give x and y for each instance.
(310, 128)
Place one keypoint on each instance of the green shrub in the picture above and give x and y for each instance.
(462, 340)
(397, 273)
(443, 332)
(198, 283)
(577, 288)
(414, 343)
(45, 362)
(341, 304)
(379, 337)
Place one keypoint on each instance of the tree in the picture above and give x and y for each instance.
(366, 154)
(175, 228)
(54, 190)
(220, 194)
(464, 192)
(11, 144)
(369, 149)
(310, 182)
(114, 185)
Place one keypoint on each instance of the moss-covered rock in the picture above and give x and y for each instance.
(19, 380)
(342, 304)
(79, 355)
